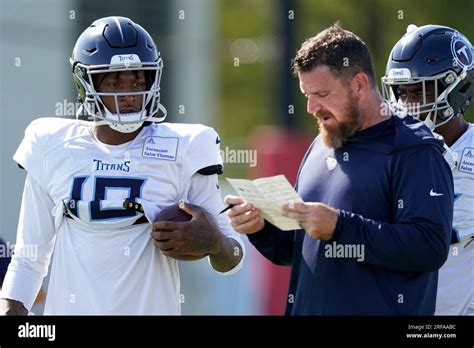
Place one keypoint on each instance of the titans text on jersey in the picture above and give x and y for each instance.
(104, 260)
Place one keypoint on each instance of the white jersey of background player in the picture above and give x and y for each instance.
(104, 257)
(431, 70)
(456, 277)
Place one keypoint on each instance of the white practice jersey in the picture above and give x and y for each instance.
(456, 276)
(104, 260)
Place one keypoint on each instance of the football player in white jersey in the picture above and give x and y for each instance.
(106, 257)
(430, 71)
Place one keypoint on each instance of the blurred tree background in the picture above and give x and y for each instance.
(247, 92)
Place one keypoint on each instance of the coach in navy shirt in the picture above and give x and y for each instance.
(376, 222)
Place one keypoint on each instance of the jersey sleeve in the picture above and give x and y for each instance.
(30, 156)
(34, 245)
(205, 193)
(276, 245)
(203, 151)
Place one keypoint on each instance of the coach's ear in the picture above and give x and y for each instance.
(360, 85)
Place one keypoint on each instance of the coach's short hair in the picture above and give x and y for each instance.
(340, 50)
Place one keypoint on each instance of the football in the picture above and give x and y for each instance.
(175, 214)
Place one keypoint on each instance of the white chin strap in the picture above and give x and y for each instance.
(135, 120)
(125, 128)
(432, 126)
(454, 155)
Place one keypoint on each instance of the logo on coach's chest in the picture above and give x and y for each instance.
(331, 163)
(99, 165)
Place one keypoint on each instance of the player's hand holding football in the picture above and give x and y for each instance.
(197, 237)
(319, 220)
(244, 217)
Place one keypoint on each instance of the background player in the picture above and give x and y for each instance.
(431, 71)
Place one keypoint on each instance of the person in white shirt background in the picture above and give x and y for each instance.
(430, 72)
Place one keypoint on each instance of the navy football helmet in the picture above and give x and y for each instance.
(116, 44)
(435, 55)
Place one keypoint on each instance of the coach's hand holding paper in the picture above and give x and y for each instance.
(268, 195)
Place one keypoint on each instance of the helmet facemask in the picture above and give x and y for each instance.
(434, 107)
(86, 77)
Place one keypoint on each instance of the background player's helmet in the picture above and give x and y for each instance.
(438, 54)
(115, 44)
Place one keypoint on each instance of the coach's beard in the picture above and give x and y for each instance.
(336, 136)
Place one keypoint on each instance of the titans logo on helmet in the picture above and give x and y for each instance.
(462, 51)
